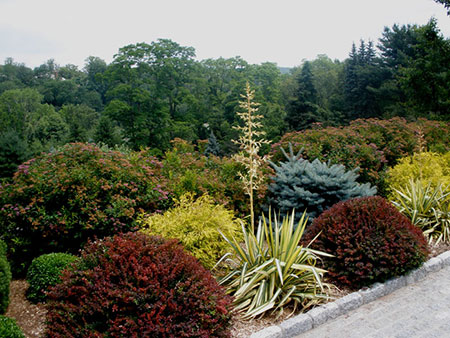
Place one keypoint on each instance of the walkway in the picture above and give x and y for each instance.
(421, 309)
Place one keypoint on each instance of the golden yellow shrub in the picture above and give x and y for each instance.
(427, 167)
(196, 224)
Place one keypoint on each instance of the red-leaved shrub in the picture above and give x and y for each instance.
(370, 240)
(135, 285)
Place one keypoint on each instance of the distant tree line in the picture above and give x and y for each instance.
(152, 93)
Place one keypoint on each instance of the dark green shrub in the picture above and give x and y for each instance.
(9, 328)
(58, 200)
(134, 285)
(371, 241)
(3, 248)
(5, 278)
(312, 186)
(45, 272)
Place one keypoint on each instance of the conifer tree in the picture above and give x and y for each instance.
(312, 186)
(304, 110)
(213, 146)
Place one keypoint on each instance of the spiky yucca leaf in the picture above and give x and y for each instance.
(427, 207)
(272, 270)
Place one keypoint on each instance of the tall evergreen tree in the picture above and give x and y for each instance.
(303, 108)
(362, 78)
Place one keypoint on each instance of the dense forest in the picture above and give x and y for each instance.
(152, 93)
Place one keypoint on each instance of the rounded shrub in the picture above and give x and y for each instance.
(197, 224)
(135, 285)
(9, 328)
(371, 241)
(45, 272)
(58, 200)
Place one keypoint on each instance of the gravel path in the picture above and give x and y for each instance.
(421, 309)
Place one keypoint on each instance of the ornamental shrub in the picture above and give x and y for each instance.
(196, 224)
(315, 186)
(187, 170)
(58, 200)
(5, 278)
(270, 271)
(45, 272)
(427, 167)
(9, 328)
(371, 241)
(3, 248)
(428, 208)
(373, 145)
(135, 285)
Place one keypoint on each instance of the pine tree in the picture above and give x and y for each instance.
(303, 109)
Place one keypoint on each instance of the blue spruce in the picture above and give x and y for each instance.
(312, 186)
(213, 147)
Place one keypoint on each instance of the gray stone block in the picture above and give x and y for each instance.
(394, 284)
(296, 325)
(445, 257)
(433, 265)
(416, 275)
(322, 314)
(268, 332)
(349, 302)
(376, 291)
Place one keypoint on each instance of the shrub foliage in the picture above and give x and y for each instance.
(45, 272)
(135, 285)
(271, 271)
(196, 224)
(371, 241)
(315, 186)
(60, 199)
(428, 208)
(5, 279)
(187, 170)
(428, 167)
(372, 145)
(9, 328)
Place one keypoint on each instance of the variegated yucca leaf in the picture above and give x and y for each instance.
(427, 207)
(273, 270)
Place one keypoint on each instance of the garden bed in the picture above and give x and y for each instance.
(31, 317)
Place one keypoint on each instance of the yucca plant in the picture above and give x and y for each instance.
(427, 207)
(249, 142)
(271, 269)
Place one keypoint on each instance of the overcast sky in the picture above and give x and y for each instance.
(281, 31)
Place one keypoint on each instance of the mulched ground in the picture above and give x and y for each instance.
(31, 318)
